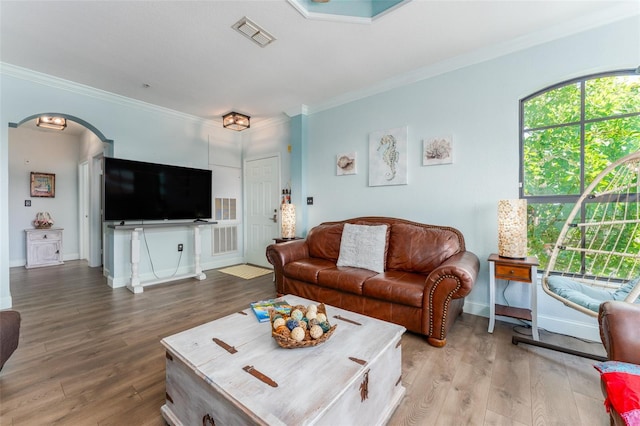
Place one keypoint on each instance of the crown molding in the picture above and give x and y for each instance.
(297, 110)
(629, 10)
(268, 122)
(81, 89)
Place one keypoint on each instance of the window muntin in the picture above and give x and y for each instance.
(553, 107)
(568, 134)
(552, 170)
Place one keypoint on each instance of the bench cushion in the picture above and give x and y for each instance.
(345, 278)
(307, 269)
(399, 287)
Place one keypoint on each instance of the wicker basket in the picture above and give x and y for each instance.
(289, 343)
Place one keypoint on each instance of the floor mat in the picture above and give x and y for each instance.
(246, 271)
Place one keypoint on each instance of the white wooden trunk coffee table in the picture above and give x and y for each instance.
(352, 378)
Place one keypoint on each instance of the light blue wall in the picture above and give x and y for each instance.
(478, 106)
(139, 131)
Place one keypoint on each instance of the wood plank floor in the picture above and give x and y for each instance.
(91, 355)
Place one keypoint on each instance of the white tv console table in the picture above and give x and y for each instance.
(138, 287)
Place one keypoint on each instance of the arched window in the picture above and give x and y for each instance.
(569, 133)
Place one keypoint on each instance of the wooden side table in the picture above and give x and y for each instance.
(284, 240)
(522, 270)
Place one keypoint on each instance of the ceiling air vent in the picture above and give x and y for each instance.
(253, 32)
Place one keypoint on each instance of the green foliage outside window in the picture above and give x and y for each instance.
(569, 134)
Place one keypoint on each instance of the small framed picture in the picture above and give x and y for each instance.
(43, 185)
(437, 150)
(346, 164)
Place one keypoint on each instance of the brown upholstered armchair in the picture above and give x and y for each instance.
(620, 334)
(9, 334)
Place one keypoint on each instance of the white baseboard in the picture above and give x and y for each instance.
(17, 262)
(65, 257)
(587, 329)
(70, 256)
(215, 264)
(6, 302)
(149, 276)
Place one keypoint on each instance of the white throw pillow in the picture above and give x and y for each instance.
(362, 246)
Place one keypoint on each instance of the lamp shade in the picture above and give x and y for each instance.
(512, 228)
(288, 221)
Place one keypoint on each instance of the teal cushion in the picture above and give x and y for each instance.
(625, 289)
(585, 295)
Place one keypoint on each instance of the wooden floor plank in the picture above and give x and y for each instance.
(510, 391)
(91, 355)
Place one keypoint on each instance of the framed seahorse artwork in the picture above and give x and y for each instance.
(437, 150)
(388, 157)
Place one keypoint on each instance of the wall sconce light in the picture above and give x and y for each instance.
(51, 122)
(288, 220)
(512, 228)
(235, 121)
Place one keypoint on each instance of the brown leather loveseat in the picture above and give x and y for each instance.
(620, 333)
(427, 272)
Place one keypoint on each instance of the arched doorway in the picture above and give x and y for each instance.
(77, 157)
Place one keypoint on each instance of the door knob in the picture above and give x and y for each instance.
(275, 216)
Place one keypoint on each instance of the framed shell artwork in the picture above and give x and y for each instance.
(346, 164)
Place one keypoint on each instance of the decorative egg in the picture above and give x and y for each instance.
(311, 314)
(297, 334)
(316, 331)
(321, 317)
(296, 314)
(283, 330)
(313, 322)
(276, 316)
(325, 326)
(278, 322)
(313, 308)
(292, 323)
(302, 324)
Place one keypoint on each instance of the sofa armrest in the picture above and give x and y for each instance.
(282, 253)
(453, 279)
(620, 330)
(464, 266)
(9, 334)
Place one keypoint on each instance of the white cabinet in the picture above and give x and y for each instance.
(44, 247)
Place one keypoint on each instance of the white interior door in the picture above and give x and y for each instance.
(262, 184)
(84, 197)
(96, 233)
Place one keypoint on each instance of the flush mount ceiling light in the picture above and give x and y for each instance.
(253, 32)
(51, 122)
(235, 121)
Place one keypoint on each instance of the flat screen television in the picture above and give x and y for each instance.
(135, 190)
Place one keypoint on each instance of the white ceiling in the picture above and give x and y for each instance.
(197, 64)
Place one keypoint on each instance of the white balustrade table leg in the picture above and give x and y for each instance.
(135, 285)
(197, 252)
